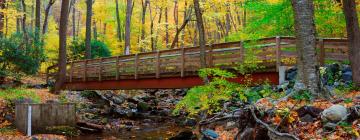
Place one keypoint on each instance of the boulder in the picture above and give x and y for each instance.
(334, 114)
(347, 76)
(118, 100)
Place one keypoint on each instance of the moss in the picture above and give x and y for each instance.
(63, 130)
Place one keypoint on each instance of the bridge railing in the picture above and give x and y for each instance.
(271, 52)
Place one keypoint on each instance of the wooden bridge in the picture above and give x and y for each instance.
(178, 68)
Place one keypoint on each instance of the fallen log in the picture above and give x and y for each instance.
(89, 127)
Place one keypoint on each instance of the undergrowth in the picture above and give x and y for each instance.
(18, 94)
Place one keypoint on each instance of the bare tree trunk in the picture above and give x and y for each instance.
(176, 18)
(78, 24)
(23, 5)
(166, 28)
(158, 28)
(129, 8)
(353, 33)
(244, 16)
(104, 29)
(308, 67)
(94, 30)
(201, 30)
(18, 25)
(62, 46)
(2, 17)
(118, 21)
(183, 30)
(46, 18)
(74, 20)
(37, 20)
(88, 29)
(143, 17)
(227, 21)
(185, 22)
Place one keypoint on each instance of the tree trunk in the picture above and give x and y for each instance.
(128, 26)
(94, 30)
(2, 17)
(62, 46)
(46, 18)
(74, 20)
(166, 28)
(176, 19)
(118, 21)
(23, 5)
(183, 30)
(308, 67)
(144, 6)
(78, 24)
(227, 21)
(37, 20)
(353, 33)
(185, 22)
(88, 29)
(201, 30)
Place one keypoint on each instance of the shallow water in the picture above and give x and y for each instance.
(152, 132)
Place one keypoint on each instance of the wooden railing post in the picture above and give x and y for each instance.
(322, 52)
(278, 53)
(117, 68)
(157, 64)
(136, 65)
(182, 71)
(85, 70)
(210, 55)
(242, 52)
(100, 69)
(71, 71)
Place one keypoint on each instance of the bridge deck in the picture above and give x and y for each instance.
(178, 68)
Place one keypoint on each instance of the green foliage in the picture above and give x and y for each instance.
(209, 98)
(303, 95)
(63, 130)
(20, 57)
(19, 93)
(62, 98)
(98, 49)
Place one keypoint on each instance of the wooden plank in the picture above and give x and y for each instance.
(278, 53)
(136, 65)
(71, 71)
(322, 52)
(157, 67)
(242, 52)
(100, 69)
(210, 56)
(85, 70)
(182, 73)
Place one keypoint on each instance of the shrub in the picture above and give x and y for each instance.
(98, 49)
(18, 94)
(20, 57)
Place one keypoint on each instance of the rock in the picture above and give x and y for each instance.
(184, 135)
(230, 125)
(330, 126)
(210, 134)
(142, 106)
(118, 100)
(334, 114)
(190, 122)
(347, 76)
(307, 118)
(309, 110)
(291, 74)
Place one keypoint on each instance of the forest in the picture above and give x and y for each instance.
(180, 69)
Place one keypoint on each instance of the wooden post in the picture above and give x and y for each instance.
(322, 52)
(210, 55)
(85, 70)
(182, 71)
(136, 65)
(157, 64)
(71, 71)
(242, 52)
(117, 68)
(278, 53)
(100, 69)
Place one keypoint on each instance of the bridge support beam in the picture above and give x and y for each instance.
(163, 83)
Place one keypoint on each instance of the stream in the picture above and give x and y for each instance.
(153, 132)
